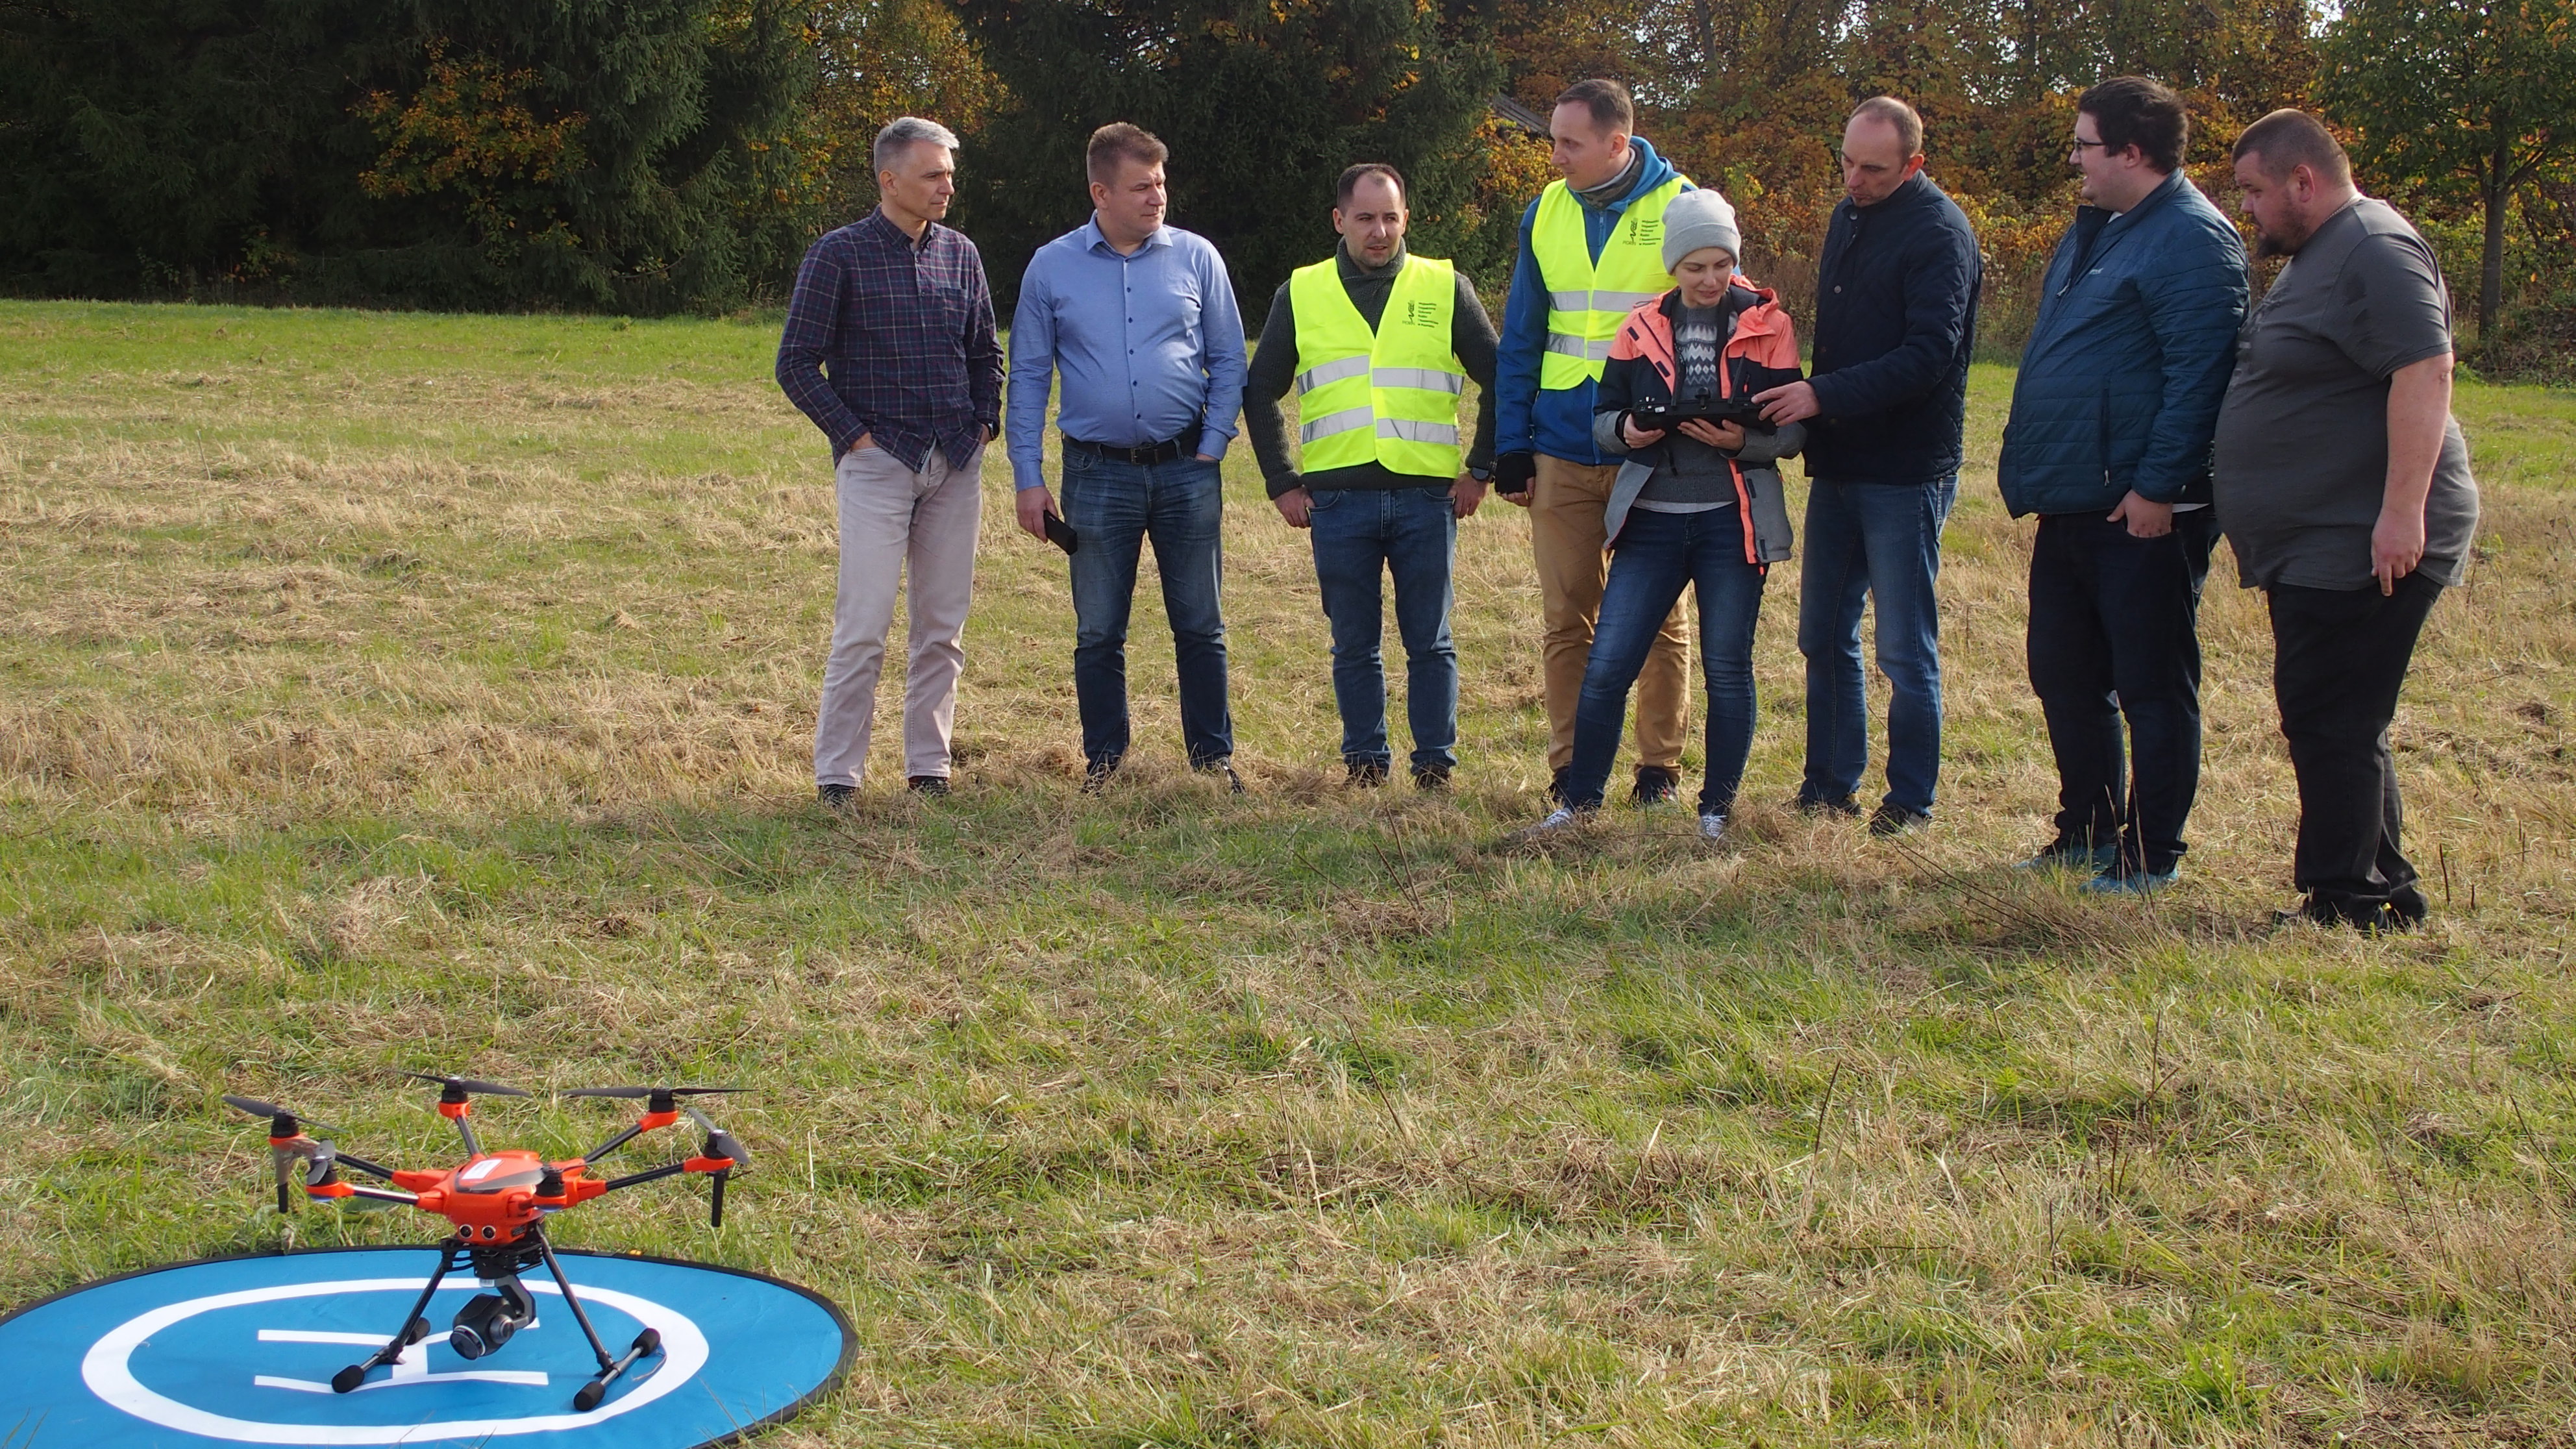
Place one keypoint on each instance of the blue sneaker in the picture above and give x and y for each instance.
(2067, 855)
(2128, 883)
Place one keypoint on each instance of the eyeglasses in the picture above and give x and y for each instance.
(2075, 148)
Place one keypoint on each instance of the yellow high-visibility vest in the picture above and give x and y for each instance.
(1390, 395)
(1586, 300)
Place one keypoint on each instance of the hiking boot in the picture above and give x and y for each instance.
(1431, 777)
(1889, 821)
(932, 787)
(836, 797)
(1366, 774)
(1656, 785)
(1813, 807)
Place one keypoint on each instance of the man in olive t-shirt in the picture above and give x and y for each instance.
(2343, 484)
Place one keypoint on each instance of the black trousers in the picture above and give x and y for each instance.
(2115, 639)
(2339, 657)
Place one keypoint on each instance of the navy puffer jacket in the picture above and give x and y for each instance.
(2128, 362)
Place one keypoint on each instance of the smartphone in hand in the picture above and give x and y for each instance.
(1061, 534)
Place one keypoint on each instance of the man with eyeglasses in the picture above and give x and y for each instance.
(1885, 408)
(2109, 442)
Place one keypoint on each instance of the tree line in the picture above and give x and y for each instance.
(652, 155)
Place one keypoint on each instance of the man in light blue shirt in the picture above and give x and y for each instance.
(1139, 319)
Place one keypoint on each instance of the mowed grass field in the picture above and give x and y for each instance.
(385, 693)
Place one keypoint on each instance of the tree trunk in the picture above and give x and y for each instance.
(2497, 186)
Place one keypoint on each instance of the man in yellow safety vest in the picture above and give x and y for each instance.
(1591, 248)
(1379, 344)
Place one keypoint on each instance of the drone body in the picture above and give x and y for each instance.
(497, 1203)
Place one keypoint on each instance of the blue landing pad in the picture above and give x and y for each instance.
(242, 1350)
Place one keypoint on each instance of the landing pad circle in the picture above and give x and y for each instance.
(237, 1351)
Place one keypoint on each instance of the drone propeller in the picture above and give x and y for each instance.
(635, 1093)
(720, 1143)
(461, 1085)
(278, 1117)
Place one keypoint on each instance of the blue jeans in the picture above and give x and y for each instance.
(1659, 554)
(1113, 508)
(1865, 541)
(1360, 536)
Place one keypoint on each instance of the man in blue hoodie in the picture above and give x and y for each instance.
(2109, 442)
(1591, 248)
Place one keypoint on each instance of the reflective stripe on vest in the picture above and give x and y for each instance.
(1586, 300)
(1388, 396)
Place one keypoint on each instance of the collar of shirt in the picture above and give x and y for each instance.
(886, 230)
(1094, 239)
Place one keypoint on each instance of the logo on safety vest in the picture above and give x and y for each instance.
(1422, 314)
(1646, 230)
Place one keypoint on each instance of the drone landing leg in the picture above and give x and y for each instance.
(611, 1367)
(414, 1329)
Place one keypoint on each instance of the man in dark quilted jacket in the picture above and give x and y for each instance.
(2109, 443)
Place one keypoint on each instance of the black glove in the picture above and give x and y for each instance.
(1514, 472)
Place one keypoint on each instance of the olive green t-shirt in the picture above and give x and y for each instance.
(2302, 447)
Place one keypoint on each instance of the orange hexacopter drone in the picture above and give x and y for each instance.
(498, 1202)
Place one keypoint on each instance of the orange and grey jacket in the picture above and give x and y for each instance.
(1761, 352)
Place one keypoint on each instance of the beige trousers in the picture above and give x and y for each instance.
(895, 520)
(1567, 535)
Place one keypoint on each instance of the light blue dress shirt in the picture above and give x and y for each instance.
(1149, 345)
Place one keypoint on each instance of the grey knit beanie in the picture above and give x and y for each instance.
(1698, 219)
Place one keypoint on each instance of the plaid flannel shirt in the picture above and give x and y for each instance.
(894, 340)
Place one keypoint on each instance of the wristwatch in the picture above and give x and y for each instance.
(1481, 475)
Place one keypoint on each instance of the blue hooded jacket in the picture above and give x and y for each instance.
(1557, 423)
(2121, 380)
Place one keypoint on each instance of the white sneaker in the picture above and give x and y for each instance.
(1559, 820)
(1712, 824)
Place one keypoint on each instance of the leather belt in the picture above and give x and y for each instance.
(1150, 453)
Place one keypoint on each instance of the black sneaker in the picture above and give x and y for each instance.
(1095, 776)
(2403, 911)
(1812, 806)
(1366, 774)
(836, 797)
(934, 787)
(1233, 781)
(1889, 821)
(1656, 786)
(1431, 777)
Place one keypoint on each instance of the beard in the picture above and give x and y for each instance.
(2285, 242)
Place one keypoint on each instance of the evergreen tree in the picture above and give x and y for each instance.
(585, 153)
(1263, 102)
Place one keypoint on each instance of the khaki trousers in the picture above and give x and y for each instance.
(1567, 535)
(895, 520)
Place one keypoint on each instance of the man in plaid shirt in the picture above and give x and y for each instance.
(889, 348)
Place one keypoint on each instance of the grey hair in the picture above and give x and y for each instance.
(905, 131)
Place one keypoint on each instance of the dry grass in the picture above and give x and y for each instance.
(386, 692)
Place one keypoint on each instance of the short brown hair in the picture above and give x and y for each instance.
(2132, 110)
(2290, 138)
(1907, 122)
(1352, 178)
(1117, 142)
(1611, 107)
